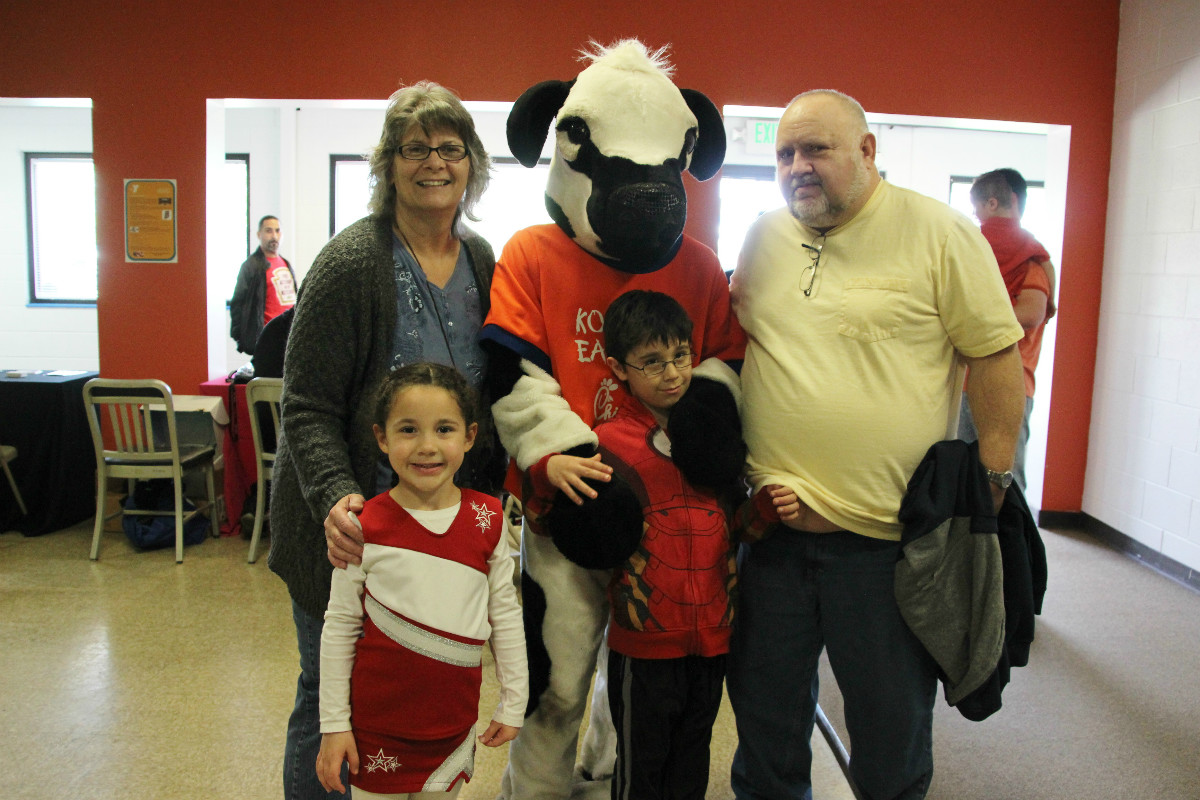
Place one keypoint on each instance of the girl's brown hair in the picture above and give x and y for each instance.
(425, 373)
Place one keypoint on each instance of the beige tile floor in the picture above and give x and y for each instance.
(136, 677)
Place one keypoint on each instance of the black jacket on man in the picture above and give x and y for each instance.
(969, 582)
(250, 300)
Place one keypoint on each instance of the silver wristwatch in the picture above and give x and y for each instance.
(1001, 479)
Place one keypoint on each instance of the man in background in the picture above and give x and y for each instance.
(1029, 277)
(1016, 182)
(266, 287)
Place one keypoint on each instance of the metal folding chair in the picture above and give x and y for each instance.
(262, 393)
(138, 452)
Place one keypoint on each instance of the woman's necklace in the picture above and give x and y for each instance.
(432, 299)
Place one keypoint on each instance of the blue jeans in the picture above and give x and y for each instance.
(801, 593)
(304, 727)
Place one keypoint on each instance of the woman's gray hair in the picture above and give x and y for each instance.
(431, 107)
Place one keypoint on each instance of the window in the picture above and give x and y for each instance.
(747, 192)
(349, 190)
(61, 209)
(234, 230)
(515, 199)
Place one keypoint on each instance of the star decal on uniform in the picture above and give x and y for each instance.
(385, 763)
(483, 515)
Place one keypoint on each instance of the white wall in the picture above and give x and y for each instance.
(1143, 475)
(37, 337)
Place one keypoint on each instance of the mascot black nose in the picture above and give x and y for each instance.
(649, 199)
(642, 221)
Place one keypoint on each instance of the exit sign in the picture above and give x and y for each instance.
(760, 136)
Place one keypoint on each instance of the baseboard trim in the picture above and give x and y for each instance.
(1164, 565)
(1074, 520)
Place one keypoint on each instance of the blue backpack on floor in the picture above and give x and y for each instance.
(152, 533)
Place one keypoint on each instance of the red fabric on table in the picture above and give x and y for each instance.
(241, 472)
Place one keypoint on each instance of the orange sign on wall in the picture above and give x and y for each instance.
(150, 221)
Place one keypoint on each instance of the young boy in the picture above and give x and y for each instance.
(673, 600)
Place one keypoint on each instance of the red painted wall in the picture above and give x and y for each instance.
(149, 67)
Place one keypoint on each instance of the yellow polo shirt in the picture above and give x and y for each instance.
(845, 390)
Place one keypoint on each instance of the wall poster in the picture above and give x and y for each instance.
(150, 230)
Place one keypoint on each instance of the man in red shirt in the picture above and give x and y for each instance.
(1029, 277)
(266, 287)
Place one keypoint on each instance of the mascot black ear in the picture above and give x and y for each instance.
(710, 140)
(530, 118)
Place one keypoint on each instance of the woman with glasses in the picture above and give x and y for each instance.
(407, 283)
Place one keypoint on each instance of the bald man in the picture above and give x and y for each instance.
(862, 302)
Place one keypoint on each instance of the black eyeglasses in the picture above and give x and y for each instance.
(655, 368)
(814, 253)
(415, 151)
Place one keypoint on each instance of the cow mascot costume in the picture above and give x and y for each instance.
(624, 134)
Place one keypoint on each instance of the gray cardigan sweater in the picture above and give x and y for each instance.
(338, 351)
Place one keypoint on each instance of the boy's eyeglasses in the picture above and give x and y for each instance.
(415, 151)
(655, 368)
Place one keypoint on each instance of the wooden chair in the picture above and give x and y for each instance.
(9, 453)
(138, 453)
(262, 395)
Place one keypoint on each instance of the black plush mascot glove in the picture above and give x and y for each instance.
(602, 533)
(706, 435)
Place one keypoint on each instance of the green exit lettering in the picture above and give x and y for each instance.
(764, 132)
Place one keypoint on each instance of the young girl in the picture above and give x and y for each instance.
(404, 633)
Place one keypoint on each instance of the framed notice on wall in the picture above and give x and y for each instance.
(150, 232)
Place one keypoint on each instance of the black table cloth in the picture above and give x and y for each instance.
(42, 415)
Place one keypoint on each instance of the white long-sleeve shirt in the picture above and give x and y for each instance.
(434, 591)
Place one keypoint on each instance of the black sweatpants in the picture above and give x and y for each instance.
(663, 711)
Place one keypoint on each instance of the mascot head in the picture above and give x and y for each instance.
(624, 135)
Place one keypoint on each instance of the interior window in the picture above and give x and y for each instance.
(515, 199)
(349, 190)
(61, 210)
(234, 231)
(747, 192)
